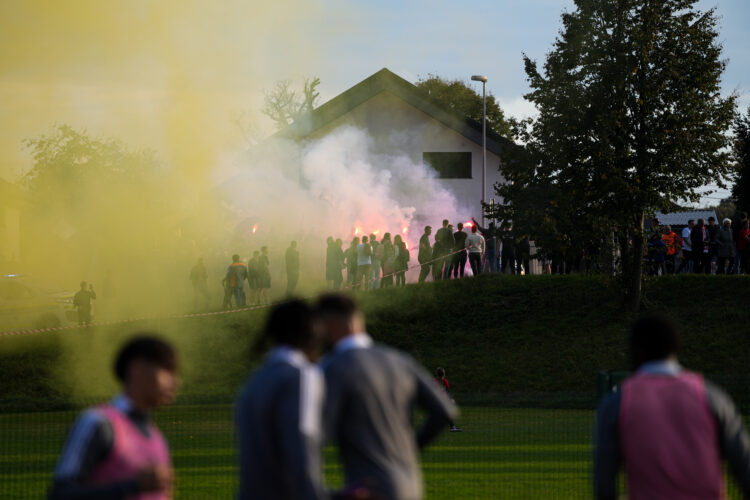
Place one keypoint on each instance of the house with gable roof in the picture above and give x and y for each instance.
(393, 110)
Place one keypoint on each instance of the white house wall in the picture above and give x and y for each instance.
(397, 126)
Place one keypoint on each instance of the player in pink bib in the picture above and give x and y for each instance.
(114, 451)
(668, 427)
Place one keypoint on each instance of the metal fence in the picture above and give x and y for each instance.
(506, 449)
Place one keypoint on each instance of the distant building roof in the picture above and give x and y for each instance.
(385, 80)
(681, 218)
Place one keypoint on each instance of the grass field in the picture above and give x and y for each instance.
(502, 453)
(517, 348)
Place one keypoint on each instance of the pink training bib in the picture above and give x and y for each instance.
(668, 438)
(131, 452)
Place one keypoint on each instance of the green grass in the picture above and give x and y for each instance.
(523, 339)
(517, 349)
(509, 453)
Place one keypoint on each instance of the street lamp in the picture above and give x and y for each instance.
(483, 79)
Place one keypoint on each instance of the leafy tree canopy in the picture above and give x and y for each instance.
(631, 118)
(741, 188)
(464, 100)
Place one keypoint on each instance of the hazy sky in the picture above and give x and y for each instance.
(172, 74)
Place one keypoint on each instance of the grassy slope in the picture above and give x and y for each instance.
(514, 336)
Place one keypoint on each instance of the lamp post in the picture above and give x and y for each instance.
(483, 79)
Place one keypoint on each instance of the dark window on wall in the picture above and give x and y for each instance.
(449, 165)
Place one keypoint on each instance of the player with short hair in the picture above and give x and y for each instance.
(114, 451)
(371, 392)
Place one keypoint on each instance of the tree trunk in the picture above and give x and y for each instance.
(636, 270)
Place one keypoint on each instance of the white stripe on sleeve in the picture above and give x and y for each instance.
(69, 464)
(312, 390)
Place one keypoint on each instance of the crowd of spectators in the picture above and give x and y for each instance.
(707, 248)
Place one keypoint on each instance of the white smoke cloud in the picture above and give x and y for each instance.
(337, 184)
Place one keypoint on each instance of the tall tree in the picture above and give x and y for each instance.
(458, 96)
(741, 188)
(630, 115)
(284, 105)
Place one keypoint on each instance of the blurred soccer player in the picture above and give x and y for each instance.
(667, 426)
(278, 413)
(371, 391)
(114, 451)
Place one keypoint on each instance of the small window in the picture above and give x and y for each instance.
(449, 165)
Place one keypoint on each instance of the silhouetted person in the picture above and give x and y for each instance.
(82, 301)
(490, 235)
(425, 254)
(235, 280)
(377, 261)
(264, 275)
(459, 247)
(389, 261)
(667, 427)
(292, 268)
(523, 255)
(340, 263)
(443, 246)
(114, 450)
(700, 243)
(725, 248)
(401, 262)
(351, 261)
(199, 279)
(364, 263)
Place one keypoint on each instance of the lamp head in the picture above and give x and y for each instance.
(479, 78)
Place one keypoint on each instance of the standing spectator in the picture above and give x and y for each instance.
(264, 275)
(364, 261)
(388, 261)
(508, 252)
(351, 261)
(82, 302)
(279, 410)
(450, 244)
(743, 247)
(292, 268)
(475, 243)
(738, 255)
(372, 391)
(523, 255)
(700, 244)
(402, 263)
(115, 450)
(725, 248)
(377, 256)
(253, 278)
(490, 236)
(340, 263)
(657, 250)
(443, 246)
(199, 279)
(687, 248)
(459, 247)
(331, 262)
(425, 254)
(235, 279)
(667, 426)
(711, 230)
(673, 244)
